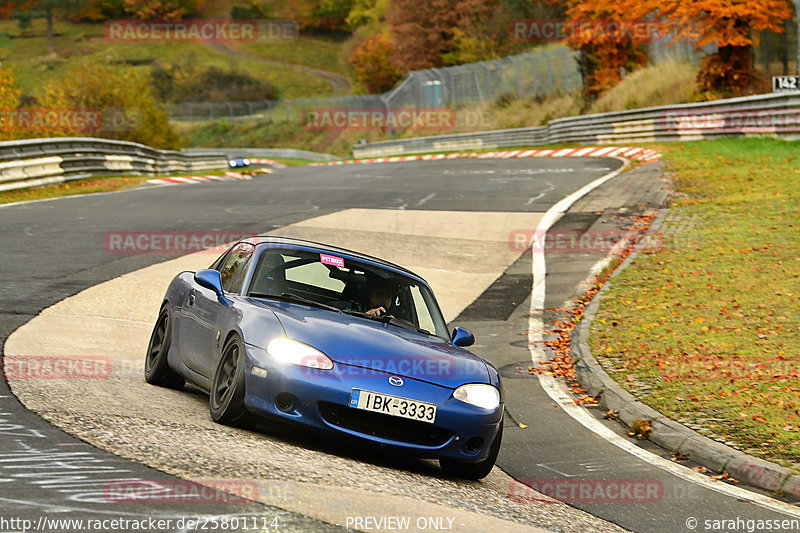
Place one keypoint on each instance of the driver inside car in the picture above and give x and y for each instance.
(380, 299)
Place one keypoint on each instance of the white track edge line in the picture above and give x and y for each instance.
(560, 394)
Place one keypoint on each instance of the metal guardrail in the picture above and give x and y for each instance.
(35, 162)
(775, 115)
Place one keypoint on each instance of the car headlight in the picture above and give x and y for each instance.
(479, 395)
(288, 351)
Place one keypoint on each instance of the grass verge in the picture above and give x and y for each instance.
(108, 184)
(706, 329)
(71, 188)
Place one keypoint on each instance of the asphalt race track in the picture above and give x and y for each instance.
(54, 249)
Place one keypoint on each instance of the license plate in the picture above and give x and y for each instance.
(393, 405)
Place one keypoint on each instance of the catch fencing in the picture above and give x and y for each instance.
(541, 72)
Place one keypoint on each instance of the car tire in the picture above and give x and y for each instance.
(477, 470)
(156, 368)
(226, 398)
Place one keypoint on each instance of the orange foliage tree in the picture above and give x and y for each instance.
(9, 100)
(733, 26)
(611, 36)
(6, 9)
(373, 65)
(124, 97)
(425, 31)
(318, 15)
(163, 9)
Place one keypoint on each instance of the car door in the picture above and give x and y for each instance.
(203, 309)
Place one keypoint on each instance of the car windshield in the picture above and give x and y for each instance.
(343, 285)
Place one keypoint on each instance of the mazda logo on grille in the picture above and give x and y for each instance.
(396, 381)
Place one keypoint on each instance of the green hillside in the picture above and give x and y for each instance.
(284, 65)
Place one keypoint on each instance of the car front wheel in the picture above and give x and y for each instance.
(226, 400)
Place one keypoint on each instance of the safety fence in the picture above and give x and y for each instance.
(540, 72)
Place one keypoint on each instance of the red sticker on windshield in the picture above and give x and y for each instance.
(331, 260)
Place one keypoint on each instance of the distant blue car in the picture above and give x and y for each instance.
(332, 339)
(238, 162)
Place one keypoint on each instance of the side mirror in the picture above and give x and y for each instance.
(210, 279)
(462, 337)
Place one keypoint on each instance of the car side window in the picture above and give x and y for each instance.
(424, 319)
(234, 265)
(236, 287)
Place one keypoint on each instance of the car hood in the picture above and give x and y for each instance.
(383, 348)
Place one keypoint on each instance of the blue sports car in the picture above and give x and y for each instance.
(336, 340)
(238, 162)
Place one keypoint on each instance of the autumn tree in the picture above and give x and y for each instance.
(487, 36)
(373, 64)
(102, 10)
(369, 13)
(9, 92)
(6, 9)
(425, 31)
(325, 15)
(28, 10)
(9, 100)
(253, 9)
(611, 36)
(733, 26)
(130, 111)
(162, 9)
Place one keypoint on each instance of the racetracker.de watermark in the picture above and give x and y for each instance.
(548, 30)
(779, 371)
(56, 367)
(210, 524)
(587, 490)
(584, 242)
(730, 120)
(364, 119)
(171, 242)
(211, 492)
(380, 368)
(69, 119)
(184, 30)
